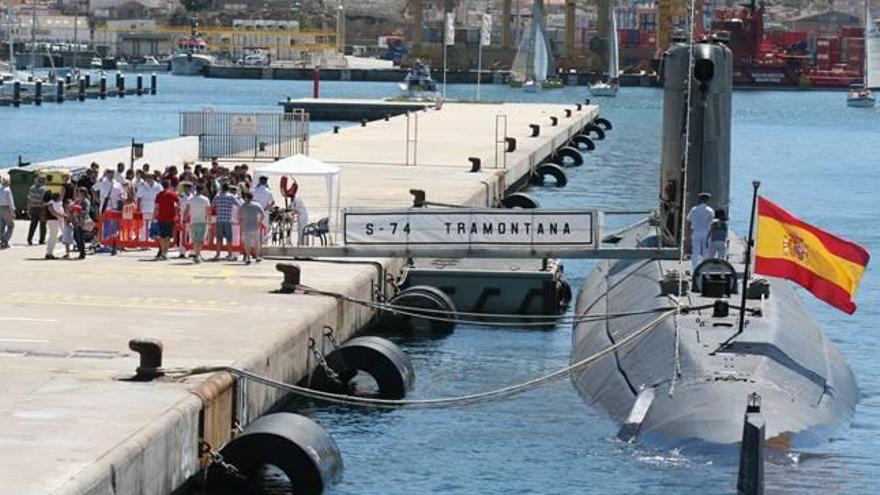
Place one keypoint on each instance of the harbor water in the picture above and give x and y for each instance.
(813, 155)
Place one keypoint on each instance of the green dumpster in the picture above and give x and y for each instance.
(20, 180)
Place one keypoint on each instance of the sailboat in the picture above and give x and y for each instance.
(609, 86)
(532, 65)
(10, 75)
(863, 97)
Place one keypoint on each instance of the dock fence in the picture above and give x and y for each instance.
(247, 136)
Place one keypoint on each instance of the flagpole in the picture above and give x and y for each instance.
(446, 26)
(749, 244)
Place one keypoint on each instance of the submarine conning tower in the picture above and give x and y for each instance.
(709, 102)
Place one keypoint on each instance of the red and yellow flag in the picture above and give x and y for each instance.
(824, 264)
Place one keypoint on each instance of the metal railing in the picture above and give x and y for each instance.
(501, 140)
(412, 138)
(247, 136)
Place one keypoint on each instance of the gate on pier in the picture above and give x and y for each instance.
(247, 136)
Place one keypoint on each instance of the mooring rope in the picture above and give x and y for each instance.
(443, 402)
(435, 314)
(676, 364)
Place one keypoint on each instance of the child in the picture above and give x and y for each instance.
(717, 238)
(67, 228)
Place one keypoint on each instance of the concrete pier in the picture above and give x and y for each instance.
(69, 424)
(353, 110)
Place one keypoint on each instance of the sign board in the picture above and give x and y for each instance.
(471, 227)
(244, 125)
(137, 150)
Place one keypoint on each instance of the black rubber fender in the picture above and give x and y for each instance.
(551, 169)
(415, 298)
(592, 127)
(296, 445)
(604, 123)
(520, 200)
(572, 154)
(564, 294)
(380, 358)
(583, 142)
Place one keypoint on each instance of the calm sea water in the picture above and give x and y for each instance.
(812, 154)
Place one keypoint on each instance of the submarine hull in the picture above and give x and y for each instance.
(688, 380)
(699, 395)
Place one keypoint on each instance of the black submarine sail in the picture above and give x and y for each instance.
(686, 382)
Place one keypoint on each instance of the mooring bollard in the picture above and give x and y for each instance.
(750, 480)
(153, 79)
(82, 89)
(88, 77)
(291, 280)
(60, 91)
(140, 85)
(16, 93)
(38, 92)
(120, 88)
(102, 87)
(150, 351)
(68, 79)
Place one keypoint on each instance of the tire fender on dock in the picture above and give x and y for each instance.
(380, 358)
(605, 123)
(553, 170)
(520, 200)
(569, 155)
(598, 131)
(418, 297)
(296, 445)
(583, 142)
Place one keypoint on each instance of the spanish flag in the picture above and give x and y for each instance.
(824, 264)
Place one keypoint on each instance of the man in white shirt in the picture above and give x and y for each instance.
(54, 222)
(186, 195)
(700, 219)
(110, 192)
(7, 213)
(263, 196)
(146, 201)
(198, 213)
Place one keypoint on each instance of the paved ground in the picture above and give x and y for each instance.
(69, 425)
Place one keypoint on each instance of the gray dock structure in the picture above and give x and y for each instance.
(71, 424)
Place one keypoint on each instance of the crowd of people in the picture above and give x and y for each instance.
(174, 204)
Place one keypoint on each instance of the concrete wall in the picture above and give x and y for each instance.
(158, 154)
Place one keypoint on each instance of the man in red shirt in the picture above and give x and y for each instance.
(166, 213)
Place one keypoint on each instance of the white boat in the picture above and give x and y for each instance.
(610, 86)
(418, 83)
(532, 65)
(146, 64)
(191, 57)
(863, 97)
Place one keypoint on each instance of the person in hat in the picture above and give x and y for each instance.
(700, 219)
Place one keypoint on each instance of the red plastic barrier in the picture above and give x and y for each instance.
(127, 229)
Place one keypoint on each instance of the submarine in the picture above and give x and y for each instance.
(686, 382)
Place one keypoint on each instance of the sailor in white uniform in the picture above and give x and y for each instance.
(700, 219)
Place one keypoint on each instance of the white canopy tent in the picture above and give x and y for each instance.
(304, 166)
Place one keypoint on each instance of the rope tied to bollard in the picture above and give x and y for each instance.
(436, 403)
(475, 318)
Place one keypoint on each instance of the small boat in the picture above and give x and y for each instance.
(148, 63)
(609, 86)
(191, 56)
(532, 65)
(96, 63)
(418, 82)
(861, 96)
